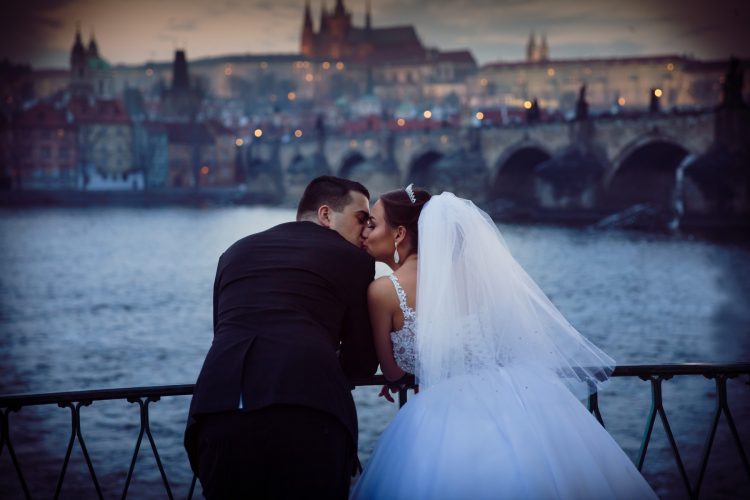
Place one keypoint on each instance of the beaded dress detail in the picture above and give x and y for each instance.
(404, 340)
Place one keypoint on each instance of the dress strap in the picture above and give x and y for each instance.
(401, 295)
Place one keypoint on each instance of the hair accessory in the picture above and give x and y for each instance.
(396, 256)
(410, 192)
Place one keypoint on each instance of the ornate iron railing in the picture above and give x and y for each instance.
(144, 396)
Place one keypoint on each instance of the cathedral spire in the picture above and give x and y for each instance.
(93, 50)
(323, 17)
(531, 48)
(307, 23)
(77, 53)
(308, 35)
(180, 76)
(339, 10)
(544, 49)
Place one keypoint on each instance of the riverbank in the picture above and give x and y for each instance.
(149, 198)
(715, 227)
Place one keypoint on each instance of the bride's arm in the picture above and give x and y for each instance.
(382, 302)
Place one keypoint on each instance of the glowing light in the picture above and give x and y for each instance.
(480, 115)
(258, 132)
(353, 143)
(298, 133)
(239, 142)
(670, 67)
(621, 101)
(228, 70)
(339, 65)
(427, 114)
(550, 71)
(527, 104)
(400, 122)
(483, 82)
(291, 96)
(658, 92)
(309, 77)
(149, 72)
(204, 170)
(326, 65)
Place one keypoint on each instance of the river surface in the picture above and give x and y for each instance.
(118, 297)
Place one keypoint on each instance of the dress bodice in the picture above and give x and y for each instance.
(404, 339)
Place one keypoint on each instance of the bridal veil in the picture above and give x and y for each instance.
(479, 310)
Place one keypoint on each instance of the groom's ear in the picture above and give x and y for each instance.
(324, 216)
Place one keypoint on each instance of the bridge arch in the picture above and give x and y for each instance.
(648, 161)
(513, 172)
(421, 167)
(349, 163)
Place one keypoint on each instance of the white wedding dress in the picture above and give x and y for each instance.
(500, 373)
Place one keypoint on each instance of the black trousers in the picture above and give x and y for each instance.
(279, 452)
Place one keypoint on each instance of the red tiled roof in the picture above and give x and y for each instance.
(457, 56)
(395, 35)
(657, 59)
(187, 133)
(216, 127)
(43, 115)
(102, 111)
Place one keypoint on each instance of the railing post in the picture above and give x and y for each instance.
(594, 403)
(402, 397)
(657, 406)
(722, 405)
(192, 487)
(146, 428)
(5, 438)
(75, 418)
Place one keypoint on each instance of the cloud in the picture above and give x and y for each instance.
(134, 30)
(175, 24)
(51, 22)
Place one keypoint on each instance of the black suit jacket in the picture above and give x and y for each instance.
(290, 324)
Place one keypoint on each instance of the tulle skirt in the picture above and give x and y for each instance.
(504, 434)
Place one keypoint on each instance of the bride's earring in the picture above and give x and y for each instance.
(396, 258)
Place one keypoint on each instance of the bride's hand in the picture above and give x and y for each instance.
(386, 391)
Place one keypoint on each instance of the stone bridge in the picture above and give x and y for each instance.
(613, 161)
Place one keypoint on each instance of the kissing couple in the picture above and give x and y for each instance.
(297, 314)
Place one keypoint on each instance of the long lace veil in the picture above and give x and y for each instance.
(478, 309)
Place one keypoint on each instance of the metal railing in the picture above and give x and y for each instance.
(144, 396)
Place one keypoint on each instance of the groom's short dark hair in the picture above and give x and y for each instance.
(328, 190)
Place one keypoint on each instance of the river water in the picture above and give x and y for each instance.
(118, 297)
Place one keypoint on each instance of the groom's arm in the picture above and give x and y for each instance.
(357, 353)
(217, 281)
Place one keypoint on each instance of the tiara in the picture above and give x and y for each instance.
(410, 192)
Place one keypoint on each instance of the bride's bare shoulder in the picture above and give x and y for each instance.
(381, 292)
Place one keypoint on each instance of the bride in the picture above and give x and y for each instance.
(500, 370)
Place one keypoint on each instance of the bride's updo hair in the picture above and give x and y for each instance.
(400, 211)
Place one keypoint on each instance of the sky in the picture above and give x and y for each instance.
(41, 32)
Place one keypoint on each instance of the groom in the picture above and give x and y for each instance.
(272, 415)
